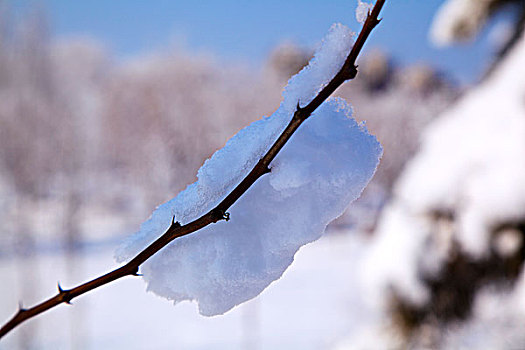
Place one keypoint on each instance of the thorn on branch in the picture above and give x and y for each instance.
(299, 112)
(349, 71)
(135, 272)
(174, 223)
(219, 214)
(64, 293)
(21, 307)
(373, 20)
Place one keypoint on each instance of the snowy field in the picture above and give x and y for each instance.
(312, 306)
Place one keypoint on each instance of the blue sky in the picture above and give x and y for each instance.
(248, 30)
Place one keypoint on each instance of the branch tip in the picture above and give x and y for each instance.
(60, 290)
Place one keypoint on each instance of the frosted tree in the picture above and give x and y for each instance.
(448, 256)
(461, 20)
(255, 180)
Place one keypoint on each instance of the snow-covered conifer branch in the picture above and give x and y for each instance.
(220, 212)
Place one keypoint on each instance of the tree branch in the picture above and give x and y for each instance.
(348, 71)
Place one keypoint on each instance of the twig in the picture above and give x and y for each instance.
(348, 71)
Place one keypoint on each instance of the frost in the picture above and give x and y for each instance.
(324, 167)
(362, 10)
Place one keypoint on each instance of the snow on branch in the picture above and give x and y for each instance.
(311, 181)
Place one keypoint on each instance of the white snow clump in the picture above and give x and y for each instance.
(361, 12)
(325, 166)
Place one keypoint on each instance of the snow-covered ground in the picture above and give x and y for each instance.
(313, 306)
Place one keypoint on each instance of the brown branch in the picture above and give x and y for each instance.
(348, 71)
